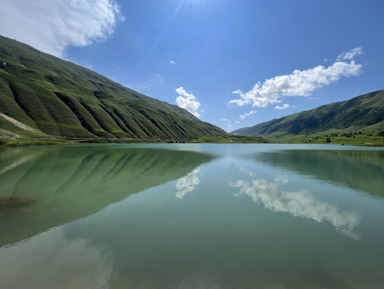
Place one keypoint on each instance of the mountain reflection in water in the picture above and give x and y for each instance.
(69, 182)
(357, 169)
(203, 216)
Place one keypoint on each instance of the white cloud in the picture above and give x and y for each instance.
(187, 101)
(53, 26)
(284, 106)
(245, 115)
(227, 122)
(172, 62)
(299, 82)
(349, 55)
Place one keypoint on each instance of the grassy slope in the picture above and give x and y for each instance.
(61, 99)
(359, 120)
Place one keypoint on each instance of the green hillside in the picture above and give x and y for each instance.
(43, 96)
(362, 116)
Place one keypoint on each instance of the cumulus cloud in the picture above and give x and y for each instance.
(172, 62)
(299, 82)
(284, 106)
(53, 26)
(245, 115)
(188, 101)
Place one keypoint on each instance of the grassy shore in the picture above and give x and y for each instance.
(350, 139)
(230, 139)
(347, 139)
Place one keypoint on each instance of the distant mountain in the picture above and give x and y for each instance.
(362, 112)
(41, 95)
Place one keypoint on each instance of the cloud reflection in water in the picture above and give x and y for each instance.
(66, 263)
(298, 204)
(187, 184)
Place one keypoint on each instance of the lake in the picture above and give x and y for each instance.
(192, 216)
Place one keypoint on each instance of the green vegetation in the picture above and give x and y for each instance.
(358, 121)
(22, 141)
(45, 100)
(362, 137)
(230, 139)
(44, 97)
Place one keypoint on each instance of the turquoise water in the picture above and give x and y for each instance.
(192, 216)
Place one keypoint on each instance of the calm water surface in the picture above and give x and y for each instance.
(191, 216)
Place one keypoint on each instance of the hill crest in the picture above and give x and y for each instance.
(361, 112)
(58, 98)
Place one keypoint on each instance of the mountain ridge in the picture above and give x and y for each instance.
(363, 112)
(57, 98)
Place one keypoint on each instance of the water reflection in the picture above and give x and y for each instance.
(210, 239)
(50, 260)
(298, 204)
(187, 184)
(15, 164)
(68, 183)
(358, 169)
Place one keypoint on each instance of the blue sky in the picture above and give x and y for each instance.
(233, 63)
